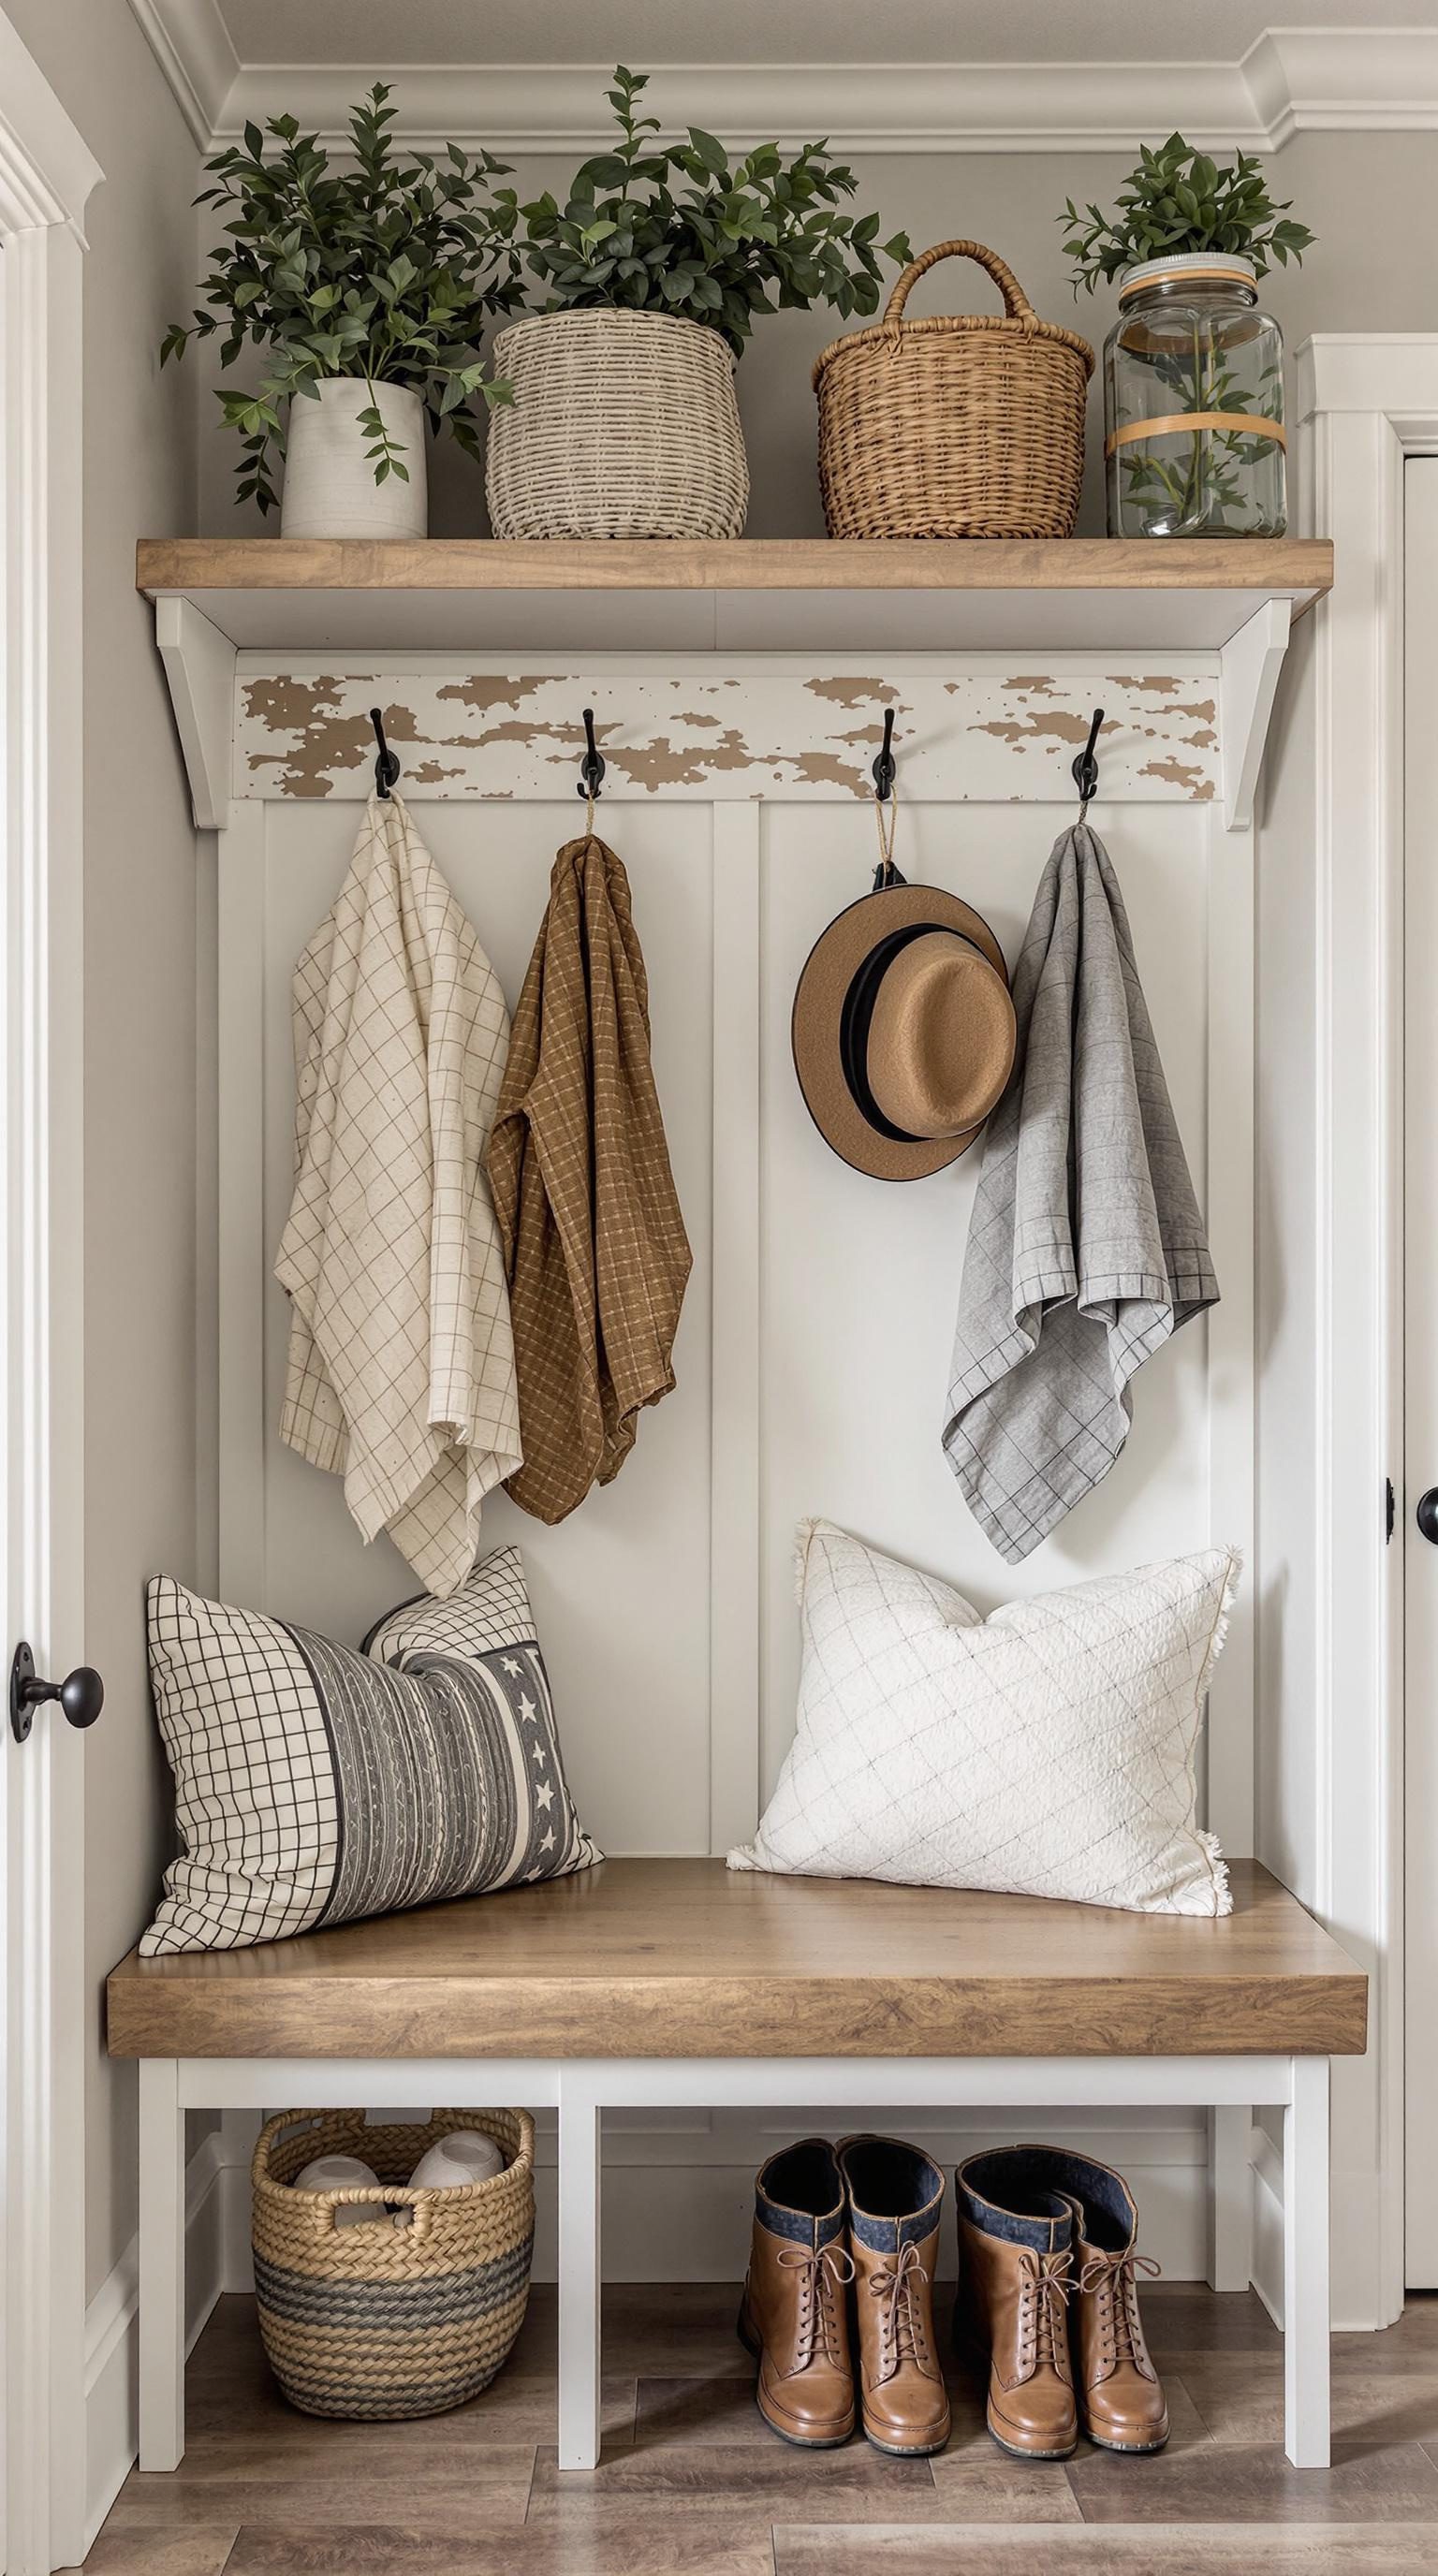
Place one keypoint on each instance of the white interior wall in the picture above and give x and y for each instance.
(859, 1282)
(621, 1589)
(134, 1006)
(854, 1290)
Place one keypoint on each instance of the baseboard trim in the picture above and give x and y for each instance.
(111, 2433)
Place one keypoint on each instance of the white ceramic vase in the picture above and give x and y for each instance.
(329, 487)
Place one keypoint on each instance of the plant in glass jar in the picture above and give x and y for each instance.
(1193, 370)
(367, 289)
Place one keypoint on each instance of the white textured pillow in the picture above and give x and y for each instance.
(1045, 1751)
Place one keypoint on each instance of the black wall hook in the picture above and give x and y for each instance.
(884, 770)
(592, 766)
(1084, 770)
(386, 768)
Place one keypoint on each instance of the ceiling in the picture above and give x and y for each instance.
(755, 31)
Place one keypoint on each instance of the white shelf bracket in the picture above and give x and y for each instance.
(200, 669)
(1249, 665)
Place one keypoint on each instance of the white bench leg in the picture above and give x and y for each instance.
(1231, 2171)
(1305, 2265)
(579, 2272)
(162, 2265)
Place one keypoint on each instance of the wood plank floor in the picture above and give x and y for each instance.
(693, 2484)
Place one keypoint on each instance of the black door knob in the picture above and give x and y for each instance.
(1426, 1515)
(81, 1694)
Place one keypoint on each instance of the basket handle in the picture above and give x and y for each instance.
(1016, 303)
(393, 2195)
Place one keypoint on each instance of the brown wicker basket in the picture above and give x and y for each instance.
(382, 2321)
(957, 426)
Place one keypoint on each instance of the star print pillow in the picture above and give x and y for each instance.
(314, 1785)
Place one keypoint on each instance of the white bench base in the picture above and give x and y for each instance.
(583, 2089)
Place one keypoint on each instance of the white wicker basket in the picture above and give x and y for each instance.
(622, 425)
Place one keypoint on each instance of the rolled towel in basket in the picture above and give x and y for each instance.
(465, 2155)
(343, 2173)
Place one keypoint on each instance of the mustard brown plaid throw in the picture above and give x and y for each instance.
(401, 1367)
(594, 1241)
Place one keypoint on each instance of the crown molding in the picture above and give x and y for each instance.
(862, 107)
(1292, 80)
(1343, 80)
(47, 169)
(191, 44)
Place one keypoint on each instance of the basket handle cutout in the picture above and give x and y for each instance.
(392, 2195)
(1016, 303)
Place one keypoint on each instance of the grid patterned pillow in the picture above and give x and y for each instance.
(314, 1784)
(1045, 1751)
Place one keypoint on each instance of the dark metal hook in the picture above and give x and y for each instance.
(386, 768)
(592, 766)
(1084, 770)
(884, 771)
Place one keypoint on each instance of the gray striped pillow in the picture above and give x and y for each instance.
(314, 1785)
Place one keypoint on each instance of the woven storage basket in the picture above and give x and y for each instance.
(959, 426)
(622, 425)
(385, 2321)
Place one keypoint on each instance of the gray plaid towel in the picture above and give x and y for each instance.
(1086, 1249)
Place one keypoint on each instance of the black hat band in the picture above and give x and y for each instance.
(856, 1019)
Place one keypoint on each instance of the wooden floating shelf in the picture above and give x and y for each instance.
(750, 594)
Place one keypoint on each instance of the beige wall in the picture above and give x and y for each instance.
(1368, 196)
(137, 1005)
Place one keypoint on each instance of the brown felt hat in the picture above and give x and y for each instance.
(903, 1031)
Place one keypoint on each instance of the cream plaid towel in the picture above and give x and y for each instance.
(1086, 1248)
(401, 1370)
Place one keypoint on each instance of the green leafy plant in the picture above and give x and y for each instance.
(387, 270)
(680, 229)
(1180, 200)
(1195, 485)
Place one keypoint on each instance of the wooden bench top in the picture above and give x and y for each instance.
(683, 1958)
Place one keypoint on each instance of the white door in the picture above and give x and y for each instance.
(46, 173)
(1418, 1505)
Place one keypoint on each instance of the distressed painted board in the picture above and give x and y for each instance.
(989, 729)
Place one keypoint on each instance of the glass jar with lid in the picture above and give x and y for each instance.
(1193, 403)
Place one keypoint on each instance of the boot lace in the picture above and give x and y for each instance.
(901, 2321)
(1045, 2285)
(821, 2276)
(1114, 2278)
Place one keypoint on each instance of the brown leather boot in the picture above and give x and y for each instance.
(896, 2198)
(1121, 2404)
(794, 2313)
(1015, 2269)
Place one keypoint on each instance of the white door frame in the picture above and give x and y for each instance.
(1365, 404)
(46, 174)
(1420, 1400)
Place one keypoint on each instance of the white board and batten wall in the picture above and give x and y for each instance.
(813, 1352)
